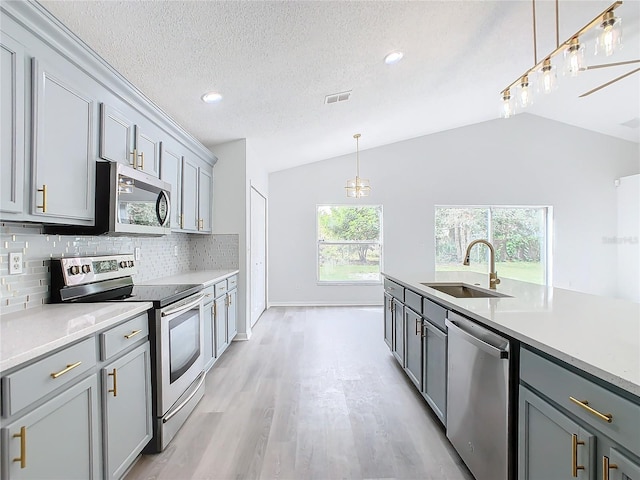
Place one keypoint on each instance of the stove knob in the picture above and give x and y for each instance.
(86, 268)
(123, 264)
(131, 263)
(74, 270)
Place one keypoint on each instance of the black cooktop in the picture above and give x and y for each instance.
(160, 295)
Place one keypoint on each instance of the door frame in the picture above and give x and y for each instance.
(253, 205)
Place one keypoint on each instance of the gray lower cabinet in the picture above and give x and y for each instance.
(126, 410)
(220, 316)
(63, 149)
(550, 444)
(232, 314)
(388, 319)
(618, 466)
(413, 346)
(12, 105)
(435, 369)
(57, 440)
(209, 329)
(398, 331)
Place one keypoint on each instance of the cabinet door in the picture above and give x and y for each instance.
(205, 198)
(63, 150)
(388, 320)
(171, 172)
(189, 195)
(550, 444)
(147, 150)
(209, 336)
(435, 370)
(58, 440)
(220, 314)
(116, 134)
(398, 331)
(619, 467)
(232, 314)
(413, 346)
(12, 120)
(126, 393)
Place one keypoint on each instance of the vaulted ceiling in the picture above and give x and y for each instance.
(275, 61)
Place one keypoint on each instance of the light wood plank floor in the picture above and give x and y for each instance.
(315, 394)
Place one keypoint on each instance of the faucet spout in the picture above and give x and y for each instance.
(493, 275)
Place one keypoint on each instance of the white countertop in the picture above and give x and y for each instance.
(205, 277)
(34, 332)
(596, 334)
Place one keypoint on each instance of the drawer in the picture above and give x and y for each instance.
(558, 384)
(122, 336)
(413, 301)
(221, 288)
(435, 313)
(232, 282)
(209, 294)
(33, 382)
(393, 289)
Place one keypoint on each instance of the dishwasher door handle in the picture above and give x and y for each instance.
(484, 346)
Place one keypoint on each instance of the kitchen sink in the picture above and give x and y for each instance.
(462, 290)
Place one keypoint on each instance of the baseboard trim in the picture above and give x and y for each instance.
(328, 304)
(241, 337)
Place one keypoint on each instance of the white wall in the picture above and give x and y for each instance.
(626, 241)
(526, 160)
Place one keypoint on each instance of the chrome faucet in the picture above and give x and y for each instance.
(493, 275)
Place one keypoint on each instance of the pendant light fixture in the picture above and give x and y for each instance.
(574, 58)
(507, 107)
(525, 95)
(548, 80)
(357, 187)
(610, 37)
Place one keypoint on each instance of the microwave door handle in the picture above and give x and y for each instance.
(183, 308)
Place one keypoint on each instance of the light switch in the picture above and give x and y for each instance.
(15, 263)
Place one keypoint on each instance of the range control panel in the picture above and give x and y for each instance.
(82, 270)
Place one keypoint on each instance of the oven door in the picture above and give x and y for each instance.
(180, 350)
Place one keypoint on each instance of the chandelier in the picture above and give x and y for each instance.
(357, 187)
(541, 78)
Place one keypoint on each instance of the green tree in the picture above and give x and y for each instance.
(350, 224)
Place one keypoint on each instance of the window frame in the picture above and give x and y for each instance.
(546, 252)
(348, 242)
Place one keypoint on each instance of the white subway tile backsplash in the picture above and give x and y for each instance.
(158, 259)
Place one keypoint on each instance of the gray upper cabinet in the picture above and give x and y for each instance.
(147, 149)
(550, 444)
(12, 100)
(189, 214)
(63, 145)
(171, 172)
(57, 440)
(116, 134)
(205, 198)
(126, 393)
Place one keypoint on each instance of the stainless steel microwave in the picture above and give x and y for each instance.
(128, 202)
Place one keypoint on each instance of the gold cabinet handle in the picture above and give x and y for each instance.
(606, 466)
(200, 224)
(418, 326)
(44, 198)
(607, 417)
(134, 164)
(70, 367)
(23, 447)
(181, 221)
(574, 455)
(132, 334)
(141, 155)
(114, 390)
(229, 299)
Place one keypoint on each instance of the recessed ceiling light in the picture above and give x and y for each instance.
(393, 57)
(211, 97)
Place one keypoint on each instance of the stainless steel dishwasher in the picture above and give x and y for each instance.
(478, 397)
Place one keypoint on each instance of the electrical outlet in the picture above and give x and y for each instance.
(136, 253)
(175, 250)
(15, 263)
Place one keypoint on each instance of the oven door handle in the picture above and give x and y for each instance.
(183, 308)
(169, 415)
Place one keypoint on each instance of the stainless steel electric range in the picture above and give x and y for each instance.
(175, 326)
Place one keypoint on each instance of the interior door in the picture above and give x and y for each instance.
(258, 254)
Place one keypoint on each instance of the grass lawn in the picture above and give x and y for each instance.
(346, 273)
(524, 271)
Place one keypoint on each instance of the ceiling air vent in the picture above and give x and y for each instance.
(337, 97)
(633, 123)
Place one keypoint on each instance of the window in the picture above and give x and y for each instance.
(349, 243)
(518, 234)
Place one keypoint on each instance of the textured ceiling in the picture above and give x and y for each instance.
(274, 62)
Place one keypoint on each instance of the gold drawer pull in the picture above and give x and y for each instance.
(607, 417)
(114, 390)
(44, 199)
(23, 447)
(574, 455)
(141, 155)
(69, 367)
(134, 164)
(606, 466)
(132, 334)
